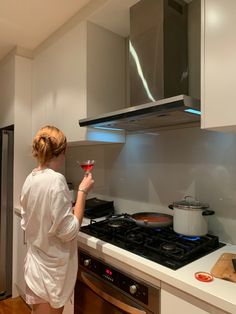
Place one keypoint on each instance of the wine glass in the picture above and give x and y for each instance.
(86, 165)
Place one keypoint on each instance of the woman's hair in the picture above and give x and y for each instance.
(49, 142)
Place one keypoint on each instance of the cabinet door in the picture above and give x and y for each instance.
(176, 301)
(172, 304)
(19, 249)
(67, 85)
(218, 59)
(59, 83)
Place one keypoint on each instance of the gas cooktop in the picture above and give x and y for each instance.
(161, 245)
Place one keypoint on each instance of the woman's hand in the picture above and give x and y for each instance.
(87, 183)
(84, 187)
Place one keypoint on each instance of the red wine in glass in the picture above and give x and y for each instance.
(87, 165)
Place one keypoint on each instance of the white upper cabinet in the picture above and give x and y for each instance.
(7, 88)
(80, 74)
(15, 108)
(218, 59)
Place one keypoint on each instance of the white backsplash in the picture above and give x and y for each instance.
(151, 171)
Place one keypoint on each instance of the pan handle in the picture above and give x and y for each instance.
(171, 207)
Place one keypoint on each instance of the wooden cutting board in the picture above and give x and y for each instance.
(224, 268)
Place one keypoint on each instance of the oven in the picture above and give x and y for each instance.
(103, 289)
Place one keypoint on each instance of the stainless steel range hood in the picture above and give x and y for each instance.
(158, 72)
(169, 113)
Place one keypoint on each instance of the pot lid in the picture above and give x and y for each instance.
(190, 203)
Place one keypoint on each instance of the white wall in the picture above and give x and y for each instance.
(150, 172)
(23, 161)
(7, 84)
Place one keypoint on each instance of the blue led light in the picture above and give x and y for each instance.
(106, 128)
(107, 136)
(194, 111)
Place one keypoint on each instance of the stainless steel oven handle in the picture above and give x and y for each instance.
(109, 298)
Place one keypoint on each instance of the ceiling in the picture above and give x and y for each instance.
(114, 15)
(27, 23)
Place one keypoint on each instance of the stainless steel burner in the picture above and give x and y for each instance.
(135, 237)
(168, 246)
(117, 223)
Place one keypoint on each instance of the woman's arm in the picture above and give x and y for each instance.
(84, 187)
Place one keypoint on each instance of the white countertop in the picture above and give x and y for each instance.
(219, 293)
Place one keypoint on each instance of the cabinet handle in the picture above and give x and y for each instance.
(109, 298)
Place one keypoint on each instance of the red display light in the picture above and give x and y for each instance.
(108, 272)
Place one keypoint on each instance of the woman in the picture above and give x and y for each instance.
(51, 226)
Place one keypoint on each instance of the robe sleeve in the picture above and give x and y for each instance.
(65, 225)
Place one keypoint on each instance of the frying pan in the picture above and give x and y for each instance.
(152, 219)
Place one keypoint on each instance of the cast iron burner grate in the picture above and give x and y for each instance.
(161, 245)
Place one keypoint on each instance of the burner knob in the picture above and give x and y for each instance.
(87, 262)
(133, 289)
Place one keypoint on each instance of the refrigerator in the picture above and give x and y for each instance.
(6, 210)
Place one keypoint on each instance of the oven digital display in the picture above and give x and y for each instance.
(108, 272)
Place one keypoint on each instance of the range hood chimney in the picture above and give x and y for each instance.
(158, 71)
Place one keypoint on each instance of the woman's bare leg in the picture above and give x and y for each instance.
(45, 308)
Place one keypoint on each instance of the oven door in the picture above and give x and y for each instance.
(93, 295)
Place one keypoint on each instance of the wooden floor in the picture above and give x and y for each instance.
(14, 306)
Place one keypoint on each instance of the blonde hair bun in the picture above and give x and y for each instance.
(48, 143)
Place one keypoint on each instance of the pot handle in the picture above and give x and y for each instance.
(208, 212)
(171, 207)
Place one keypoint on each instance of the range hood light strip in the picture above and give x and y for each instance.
(106, 128)
(194, 111)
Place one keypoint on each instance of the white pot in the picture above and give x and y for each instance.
(190, 217)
